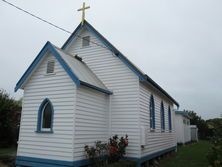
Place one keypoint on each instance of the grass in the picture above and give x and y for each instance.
(5, 152)
(7, 157)
(193, 155)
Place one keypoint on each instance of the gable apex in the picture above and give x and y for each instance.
(142, 76)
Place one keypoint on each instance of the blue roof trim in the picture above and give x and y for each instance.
(142, 77)
(72, 36)
(96, 88)
(48, 47)
(31, 67)
(114, 50)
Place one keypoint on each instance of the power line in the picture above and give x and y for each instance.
(37, 17)
(54, 25)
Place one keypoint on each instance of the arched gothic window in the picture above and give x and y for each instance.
(45, 116)
(152, 112)
(169, 118)
(162, 116)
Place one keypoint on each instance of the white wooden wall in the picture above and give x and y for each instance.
(124, 115)
(179, 128)
(157, 140)
(183, 132)
(61, 91)
(91, 120)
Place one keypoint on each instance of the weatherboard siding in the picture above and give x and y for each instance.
(61, 91)
(91, 120)
(157, 140)
(118, 78)
(182, 130)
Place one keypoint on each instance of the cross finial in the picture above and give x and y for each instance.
(84, 7)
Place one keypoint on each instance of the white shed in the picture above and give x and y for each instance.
(194, 132)
(85, 91)
(182, 127)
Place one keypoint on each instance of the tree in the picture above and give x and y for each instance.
(10, 110)
(203, 129)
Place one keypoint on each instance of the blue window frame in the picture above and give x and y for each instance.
(152, 112)
(162, 116)
(45, 117)
(169, 118)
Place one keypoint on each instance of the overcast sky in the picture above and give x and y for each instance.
(176, 42)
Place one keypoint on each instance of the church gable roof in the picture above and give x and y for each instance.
(142, 76)
(76, 69)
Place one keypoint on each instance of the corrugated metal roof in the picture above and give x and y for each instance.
(81, 70)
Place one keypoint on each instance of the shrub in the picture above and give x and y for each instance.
(117, 148)
(103, 154)
(97, 155)
(215, 154)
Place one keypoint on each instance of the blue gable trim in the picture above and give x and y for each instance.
(48, 47)
(36, 162)
(142, 77)
(72, 36)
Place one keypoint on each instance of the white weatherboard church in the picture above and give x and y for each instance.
(85, 91)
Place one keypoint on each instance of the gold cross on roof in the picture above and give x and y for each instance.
(84, 7)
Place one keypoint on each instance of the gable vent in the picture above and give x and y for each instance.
(85, 41)
(50, 67)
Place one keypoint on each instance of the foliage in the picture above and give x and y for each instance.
(203, 129)
(97, 154)
(9, 114)
(103, 154)
(117, 148)
(215, 153)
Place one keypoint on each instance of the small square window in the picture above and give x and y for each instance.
(50, 67)
(85, 41)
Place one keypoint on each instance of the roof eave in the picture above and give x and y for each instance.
(96, 88)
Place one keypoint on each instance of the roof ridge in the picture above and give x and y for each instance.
(142, 76)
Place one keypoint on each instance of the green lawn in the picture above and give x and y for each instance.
(193, 155)
(4, 152)
(7, 157)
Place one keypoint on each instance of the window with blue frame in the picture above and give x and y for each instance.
(162, 116)
(169, 118)
(45, 116)
(152, 113)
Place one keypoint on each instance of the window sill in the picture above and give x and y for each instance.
(49, 74)
(152, 130)
(162, 131)
(85, 47)
(170, 131)
(39, 131)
